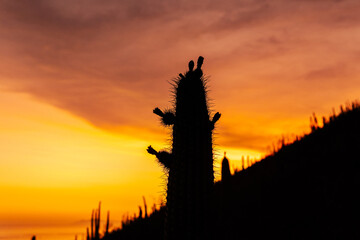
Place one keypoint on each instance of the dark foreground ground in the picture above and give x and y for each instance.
(306, 190)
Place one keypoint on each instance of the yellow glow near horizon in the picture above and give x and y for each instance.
(55, 163)
(63, 166)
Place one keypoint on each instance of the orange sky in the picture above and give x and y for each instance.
(79, 80)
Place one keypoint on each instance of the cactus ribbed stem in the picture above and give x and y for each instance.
(190, 164)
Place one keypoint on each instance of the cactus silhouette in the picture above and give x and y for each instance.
(94, 234)
(225, 169)
(145, 208)
(107, 224)
(190, 163)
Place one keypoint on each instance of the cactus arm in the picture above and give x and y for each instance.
(216, 117)
(151, 150)
(167, 118)
(214, 120)
(191, 68)
(200, 62)
(158, 112)
(198, 72)
(163, 157)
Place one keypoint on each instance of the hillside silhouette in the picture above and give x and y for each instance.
(305, 190)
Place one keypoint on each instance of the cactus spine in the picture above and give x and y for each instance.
(190, 164)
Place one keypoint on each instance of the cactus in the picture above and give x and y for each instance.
(92, 225)
(140, 213)
(95, 225)
(243, 162)
(107, 224)
(97, 222)
(190, 163)
(225, 169)
(145, 208)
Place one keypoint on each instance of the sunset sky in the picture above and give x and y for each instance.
(79, 80)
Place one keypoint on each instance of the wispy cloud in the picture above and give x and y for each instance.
(108, 62)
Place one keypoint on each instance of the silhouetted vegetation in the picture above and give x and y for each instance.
(225, 169)
(143, 226)
(190, 164)
(94, 233)
(307, 189)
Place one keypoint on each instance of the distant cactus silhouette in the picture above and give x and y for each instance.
(145, 208)
(95, 225)
(107, 224)
(140, 213)
(190, 164)
(225, 169)
(87, 234)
